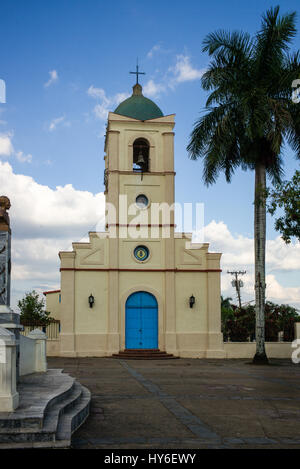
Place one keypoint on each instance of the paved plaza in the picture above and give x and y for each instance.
(187, 403)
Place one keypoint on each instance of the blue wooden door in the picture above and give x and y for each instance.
(141, 323)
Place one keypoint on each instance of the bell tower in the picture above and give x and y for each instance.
(139, 161)
(139, 174)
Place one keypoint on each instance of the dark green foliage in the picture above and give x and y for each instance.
(287, 197)
(227, 313)
(238, 325)
(32, 309)
(241, 326)
(249, 111)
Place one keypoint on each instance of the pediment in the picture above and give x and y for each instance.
(96, 257)
(191, 257)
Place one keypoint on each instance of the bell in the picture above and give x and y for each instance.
(140, 160)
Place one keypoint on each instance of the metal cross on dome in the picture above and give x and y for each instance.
(137, 73)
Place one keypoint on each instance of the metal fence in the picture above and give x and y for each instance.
(51, 330)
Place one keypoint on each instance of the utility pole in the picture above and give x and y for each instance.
(237, 283)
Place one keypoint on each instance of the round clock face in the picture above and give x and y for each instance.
(142, 201)
(141, 253)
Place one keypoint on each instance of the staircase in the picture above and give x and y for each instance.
(143, 354)
(52, 406)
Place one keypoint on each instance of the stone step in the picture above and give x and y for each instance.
(143, 354)
(62, 417)
(56, 412)
(73, 418)
(157, 354)
(132, 357)
(133, 350)
(50, 423)
(38, 392)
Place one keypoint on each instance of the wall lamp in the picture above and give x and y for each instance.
(91, 300)
(192, 301)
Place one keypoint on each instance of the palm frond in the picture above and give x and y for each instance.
(272, 42)
(227, 44)
(249, 111)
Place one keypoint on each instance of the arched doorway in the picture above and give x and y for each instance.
(141, 321)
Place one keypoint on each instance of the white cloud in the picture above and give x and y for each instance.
(57, 121)
(184, 71)
(6, 146)
(101, 111)
(154, 49)
(239, 250)
(119, 97)
(23, 158)
(41, 212)
(96, 92)
(238, 254)
(53, 78)
(54, 123)
(45, 221)
(281, 294)
(7, 149)
(157, 49)
(181, 72)
(153, 89)
(105, 103)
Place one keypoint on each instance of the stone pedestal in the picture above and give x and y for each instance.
(5, 266)
(11, 321)
(8, 318)
(40, 349)
(9, 398)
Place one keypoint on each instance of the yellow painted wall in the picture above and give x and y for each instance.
(91, 320)
(53, 304)
(191, 319)
(247, 349)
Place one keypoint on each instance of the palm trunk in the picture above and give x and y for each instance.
(260, 247)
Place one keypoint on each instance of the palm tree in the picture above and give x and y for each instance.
(225, 302)
(248, 116)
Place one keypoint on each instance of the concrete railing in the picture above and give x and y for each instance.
(247, 349)
(33, 352)
(273, 349)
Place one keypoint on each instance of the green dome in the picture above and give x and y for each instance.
(138, 107)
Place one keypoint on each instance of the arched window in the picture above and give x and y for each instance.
(141, 155)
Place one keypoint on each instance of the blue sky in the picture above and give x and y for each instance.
(53, 52)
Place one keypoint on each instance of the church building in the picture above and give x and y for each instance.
(155, 290)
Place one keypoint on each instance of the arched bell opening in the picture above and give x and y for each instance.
(141, 149)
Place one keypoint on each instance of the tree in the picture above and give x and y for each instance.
(226, 314)
(32, 308)
(239, 325)
(286, 195)
(248, 115)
